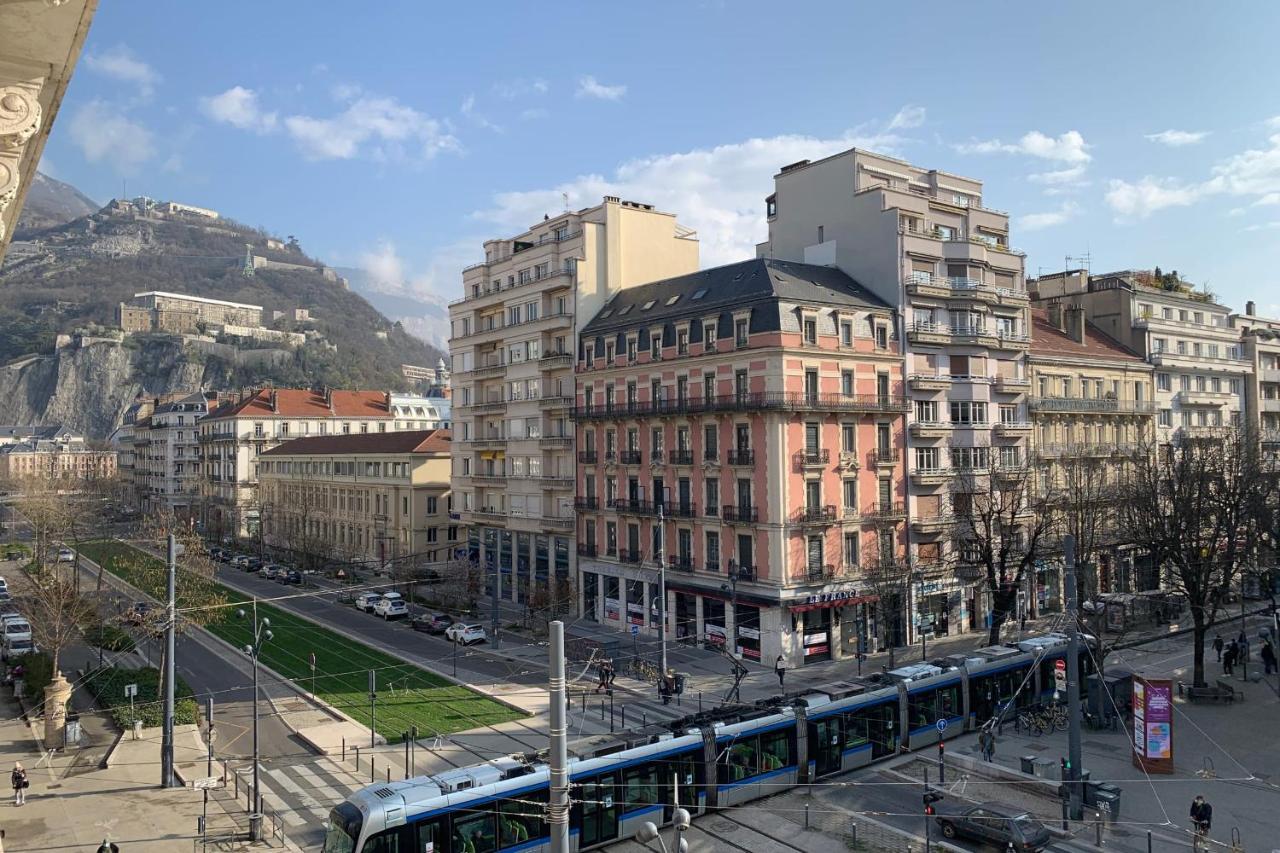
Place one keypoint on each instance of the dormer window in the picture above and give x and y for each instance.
(810, 326)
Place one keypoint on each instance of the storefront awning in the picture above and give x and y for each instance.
(743, 597)
(835, 600)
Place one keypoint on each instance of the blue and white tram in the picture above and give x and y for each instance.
(725, 758)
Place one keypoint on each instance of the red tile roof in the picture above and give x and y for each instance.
(306, 403)
(408, 441)
(1048, 340)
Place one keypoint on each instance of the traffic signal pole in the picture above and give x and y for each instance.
(1073, 680)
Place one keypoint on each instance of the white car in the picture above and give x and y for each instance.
(366, 601)
(66, 555)
(466, 633)
(12, 647)
(390, 606)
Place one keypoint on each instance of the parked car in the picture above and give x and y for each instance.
(253, 564)
(998, 824)
(16, 646)
(291, 576)
(432, 623)
(366, 600)
(466, 633)
(270, 571)
(4, 584)
(391, 606)
(66, 555)
(218, 555)
(138, 613)
(239, 561)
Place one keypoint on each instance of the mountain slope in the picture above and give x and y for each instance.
(51, 203)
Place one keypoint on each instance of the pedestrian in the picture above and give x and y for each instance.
(1229, 659)
(1217, 646)
(1243, 654)
(602, 682)
(1024, 623)
(987, 744)
(20, 784)
(780, 667)
(1268, 656)
(1201, 818)
(667, 686)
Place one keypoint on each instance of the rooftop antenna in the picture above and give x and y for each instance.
(565, 198)
(1084, 261)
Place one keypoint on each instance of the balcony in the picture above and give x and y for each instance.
(1011, 341)
(1079, 450)
(930, 525)
(488, 406)
(815, 458)
(1269, 405)
(489, 479)
(1166, 358)
(556, 522)
(501, 292)
(887, 512)
(626, 506)
(926, 332)
(630, 457)
(928, 382)
(930, 429)
(657, 457)
(711, 456)
(1091, 405)
(555, 402)
(489, 441)
(930, 476)
(556, 441)
(555, 360)
(742, 571)
(742, 457)
(681, 457)
(554, 481)
(748, 402)
(682, 563)
(1012, 384)
(1012, 429)
(490, 514)
(1204, 398)
(884, 457)
(587, 550)
(586, 504)
(740, 514)
(486, 370)
(817, 574)
(815, 516)
(588, 457)
(629, 555)
(712, 565)
(680, 510)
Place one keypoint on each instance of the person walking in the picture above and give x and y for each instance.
(20, 784)
(1201, 820)
(1242, 656)
(987, 744)
(1229, 659)
(1268, 656)
(780, 667)
(1217, 646)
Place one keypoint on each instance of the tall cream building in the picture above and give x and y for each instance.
(1260, 342)
(513, 348)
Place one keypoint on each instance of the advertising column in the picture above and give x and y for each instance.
(1153, 724)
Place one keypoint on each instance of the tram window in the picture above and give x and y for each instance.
(642, 787)
(948, 701)
(430, 838)
(920, 709)
(519, 821)
(474, 834)
(386, 842)
(775, 750)
(855, 729)
(739, 761)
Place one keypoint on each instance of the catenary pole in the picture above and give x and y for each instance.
(558, 812)
(1073, 678)
(662, 585)
(167, 779)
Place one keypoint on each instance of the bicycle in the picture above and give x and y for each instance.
(1199, 837)
(1054, 718)
(645, 671)
(1029, 721)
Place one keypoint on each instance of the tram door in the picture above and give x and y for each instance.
(678, 781)
(599, 811)
(825, 742)
(882, 728)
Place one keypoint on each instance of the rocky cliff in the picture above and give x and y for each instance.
(88, 387)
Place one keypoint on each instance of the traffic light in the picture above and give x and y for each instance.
(1066, 768)
(930, 797)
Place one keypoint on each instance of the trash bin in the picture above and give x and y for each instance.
(1028, 764)
(1042, 767)
(71, 734)
(255, 827)
(1107, 800)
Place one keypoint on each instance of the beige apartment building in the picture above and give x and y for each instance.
(177, 313)
(233, 437)
(377, 499)
(1201, 372)
(1091, 411)
(512, 374)
(55, 460)
(1260, 340)
(924, 242)
(165, 454)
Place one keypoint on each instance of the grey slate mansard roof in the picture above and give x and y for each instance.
(732, 286)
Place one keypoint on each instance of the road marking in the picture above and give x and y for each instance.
(285, 809)
(320, 785)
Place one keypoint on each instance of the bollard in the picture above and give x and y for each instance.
(644, 719)
(1148, 841)
(1097, 822)
(389, 774)
(853, 825)
(699, 701)
(584, 701)
(373, 774)
(624, 717)
(602, 711)
(406, 758)
(357, 749)
(344, 749)
(806, 816)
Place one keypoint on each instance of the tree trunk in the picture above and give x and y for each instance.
(1197, 648)
(1001, 606)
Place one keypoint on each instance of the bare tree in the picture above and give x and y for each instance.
(888, 578)
(549, 601)
(1193, 506)
(47, 509)
(1001, 528)
(1082, 492)
(56, 610)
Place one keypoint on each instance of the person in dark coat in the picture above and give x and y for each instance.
(1229, 659)
(1268, 656)
(1217, 646)
(1201, 817)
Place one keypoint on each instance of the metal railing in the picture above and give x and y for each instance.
(815, 515)
(630, 457)
(742, 457)
(586, 549)
(742, 571)
(747, 402)
(586, 504)
(587, 457)
(1091, 404)
(732, 514)
(632, 507)
(811, 457)
(681, 457)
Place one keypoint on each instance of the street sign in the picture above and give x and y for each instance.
(1060, 675)
(942, 726)
(130, 690)
(635, 629)
(207, 782)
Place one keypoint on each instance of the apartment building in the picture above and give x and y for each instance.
(1200, 370)
(1091, 410)
(232, 438)
(742, 427)
(378, 499)
(122, 438)
(416, 412)
(165, 454)
(1260, 341)
(924, 243)
(60, 458)
(159, 311)
(512, 380)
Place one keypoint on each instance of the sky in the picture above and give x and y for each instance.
(397, 135)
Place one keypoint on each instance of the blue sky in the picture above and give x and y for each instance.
(398, 135)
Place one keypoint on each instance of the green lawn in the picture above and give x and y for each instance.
(407, 695)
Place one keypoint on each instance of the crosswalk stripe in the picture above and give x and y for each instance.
(307, 801)
(319, 785)
(287, 812)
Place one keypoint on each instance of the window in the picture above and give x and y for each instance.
(846, 333)
(711, 441)
(846, 383)
(968, 412)
(882, 336)
(432, 506)
(709, 336)
(1184, 382)
(740, 332)
(1008, 414)
(968, 457)
(682, 342)
(713, 496)
(850, 549)
(1164, 382)
(849, 491)
(927, 411)
(848, 443)
(927, 458)
(810, 331)
(713, 551)
(1010, 457)
(811, 384)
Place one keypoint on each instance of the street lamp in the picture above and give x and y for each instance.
(662, 575)
(261, 635)
(680, 819)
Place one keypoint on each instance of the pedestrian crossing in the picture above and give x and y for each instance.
(302, 795)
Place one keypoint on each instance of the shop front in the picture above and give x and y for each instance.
(831, 625)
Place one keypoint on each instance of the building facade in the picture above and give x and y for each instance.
(231, 439)
(1260, 342)
(742, 427)
(1201, 372)
(512, 378)
(1092, 410)
(924, 243)
(377, 499)
(177, 313)
(55, 460)
(413, 411)
(165, 457)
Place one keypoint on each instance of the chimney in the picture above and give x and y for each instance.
(328, 399)
(1074, 323)
(1055, 316)
(1251, 308)
(275, 401)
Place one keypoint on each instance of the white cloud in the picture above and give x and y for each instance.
(907, 118)
(533, 113)
(105, 135)
(1178, 138)
(1264, 226)
(1267, 200)
(1037, 221)
(379, 126)
(520, 88)
(239, 108)
(589, 87)
(468, 109)
(1072, 176)
(1069, 148)
(119, 63)
(385, 268)
(173, 163)
(1143, 198)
